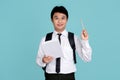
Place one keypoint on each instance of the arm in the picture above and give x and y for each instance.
(41, 59)
(83, 48)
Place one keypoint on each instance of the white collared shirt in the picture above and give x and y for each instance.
(67, 63)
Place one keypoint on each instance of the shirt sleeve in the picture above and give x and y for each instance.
(40, 55)
(83, 49)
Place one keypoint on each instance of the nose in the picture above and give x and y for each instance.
(59, 21)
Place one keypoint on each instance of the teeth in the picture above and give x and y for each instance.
(59, 24)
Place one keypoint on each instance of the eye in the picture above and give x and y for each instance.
(63, 17)
(55, 17)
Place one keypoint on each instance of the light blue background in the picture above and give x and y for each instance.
(24, 22)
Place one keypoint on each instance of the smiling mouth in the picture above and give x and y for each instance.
(59, 24)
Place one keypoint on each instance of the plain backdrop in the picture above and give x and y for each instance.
(23, 23)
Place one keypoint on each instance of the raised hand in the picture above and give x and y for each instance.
(84, 35)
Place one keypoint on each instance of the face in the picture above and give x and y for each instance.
(59, 21)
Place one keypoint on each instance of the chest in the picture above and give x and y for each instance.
(65, 44)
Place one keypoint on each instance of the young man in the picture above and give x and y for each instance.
(67, 68)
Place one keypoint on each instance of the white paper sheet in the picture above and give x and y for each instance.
(52, 48)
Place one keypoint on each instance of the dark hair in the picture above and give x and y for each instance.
(60, 9)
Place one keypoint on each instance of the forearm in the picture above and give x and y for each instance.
(39, 61)
(86, 51)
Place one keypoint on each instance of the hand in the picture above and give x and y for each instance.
(47, 59)
(84, 35)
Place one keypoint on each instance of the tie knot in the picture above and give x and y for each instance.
(59, 34)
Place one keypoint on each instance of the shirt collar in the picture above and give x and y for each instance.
(64, 33)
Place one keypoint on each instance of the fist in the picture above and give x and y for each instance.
(84, 35)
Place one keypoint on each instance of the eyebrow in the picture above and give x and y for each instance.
(55, 16)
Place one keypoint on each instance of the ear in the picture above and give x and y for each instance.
(67, 19)
(51, 19)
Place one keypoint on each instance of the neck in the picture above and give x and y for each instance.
(59, 31)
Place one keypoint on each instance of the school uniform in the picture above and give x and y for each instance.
(67, 65)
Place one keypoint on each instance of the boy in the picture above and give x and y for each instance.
(63, 68)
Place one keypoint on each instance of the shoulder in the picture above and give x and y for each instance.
(48, 36)
(49, 33)
(75, 36)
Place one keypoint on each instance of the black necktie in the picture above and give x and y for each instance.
(58, 59)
